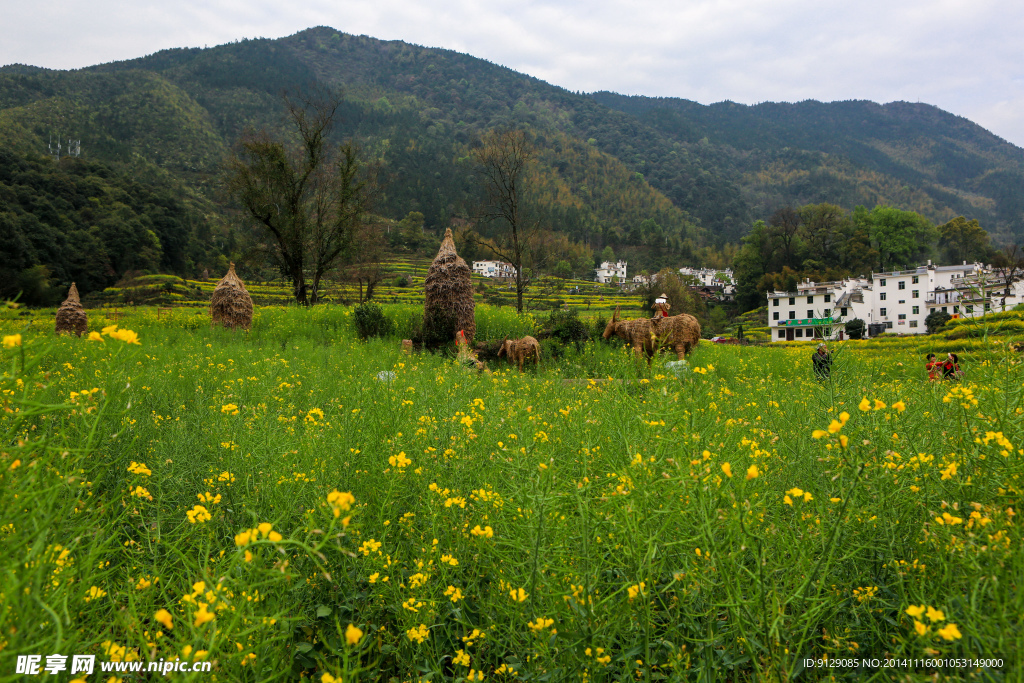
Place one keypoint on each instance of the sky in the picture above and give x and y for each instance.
(964, 56)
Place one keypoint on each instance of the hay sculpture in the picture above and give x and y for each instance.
(448, 304)
(680, 333)
(519, 350)
(231, 304)
(71, 318)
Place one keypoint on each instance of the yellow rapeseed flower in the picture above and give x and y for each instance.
(935, 615)
(198, 514)
(864, 405)
(127, 336)
(353, 634)
(752, 472)
(727, 469)
(819, 433)
(518, 594)
(229, 408)
(879, 405)
(915, 610)
(203, 615)
(920, 628)
(12, 340)
(95, 336)
(900, 406)
(164, 617)
(950, 632)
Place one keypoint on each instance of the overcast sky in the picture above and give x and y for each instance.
(965, 56)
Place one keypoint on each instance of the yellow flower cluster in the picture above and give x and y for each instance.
(244, 538)
(486, 532)
(541, 623)
(198, 514)
(418, 633)
(797, 493)
(400, 461)
(127, 336)
(948, 632)
(599, 656)
(12, 340)
(139, 468)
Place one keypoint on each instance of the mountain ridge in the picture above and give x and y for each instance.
(720, 165)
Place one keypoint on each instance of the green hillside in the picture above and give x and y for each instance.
(657, 180)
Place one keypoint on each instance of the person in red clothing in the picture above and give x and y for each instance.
(951, 367)
(933, 366)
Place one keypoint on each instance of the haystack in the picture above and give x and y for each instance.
(448, 306)
(71, 316)
(231, 304)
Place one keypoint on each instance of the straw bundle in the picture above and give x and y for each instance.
(231, 304)
(448, 304)
(71, 316)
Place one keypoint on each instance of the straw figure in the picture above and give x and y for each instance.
(678, 332)
(448, 304)
(231, 304)
(71, 316)
(519, 350)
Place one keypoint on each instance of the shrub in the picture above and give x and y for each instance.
(936, 320)
(566, 327)
(855, 329)
(371, 322)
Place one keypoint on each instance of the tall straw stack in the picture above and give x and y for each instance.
(71, 318)
(231, 304)
(448, 305)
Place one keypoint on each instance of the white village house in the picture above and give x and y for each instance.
(893, 301)
(496, 269)
(608, 270)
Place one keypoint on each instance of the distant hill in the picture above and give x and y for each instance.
(654, 178)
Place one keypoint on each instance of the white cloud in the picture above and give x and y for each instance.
(962, 55)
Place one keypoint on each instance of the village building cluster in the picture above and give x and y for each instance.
(889, 302)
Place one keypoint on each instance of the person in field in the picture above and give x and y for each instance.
(933, 366)
(822, 363)
(951, 367)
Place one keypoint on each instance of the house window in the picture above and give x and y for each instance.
(888, 325)
(881, 296)
(902, 316)
(881, 282)
(881, 312)
(943, 309)
(842, 311)
(915, 310)
(792, 301)
(810, 314)
(969, 309)
(902, 284)
(799, 332)
(913, 280)
(775, 302)
(810, 299)
(782, 333)
(987, 305)
(828, 298)
(775, 315)
(913, 323)
(916, 294)
(956, 309)
(792, 315)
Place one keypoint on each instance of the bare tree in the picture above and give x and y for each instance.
(306, 201)
(1009, 266)
(504, 162)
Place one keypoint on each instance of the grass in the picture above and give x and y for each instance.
(728, 524)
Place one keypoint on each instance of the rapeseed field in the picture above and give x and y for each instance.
(296, 504)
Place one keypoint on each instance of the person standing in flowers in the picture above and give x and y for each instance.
(822, 363)
(933, 366)
(951, 367)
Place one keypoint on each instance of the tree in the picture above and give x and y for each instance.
(784, 226)
(963, 240)
(504, 162)
(563, 270)
(901, 237)
(608, 255)
(305, 202)
(1008, 264)
(855, 328)
(822, 232)
(411, 229)
(935, 320)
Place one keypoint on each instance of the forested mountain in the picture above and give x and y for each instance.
(655, 179)
(910, 155)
